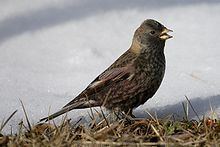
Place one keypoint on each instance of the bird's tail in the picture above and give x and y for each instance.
(68, 108)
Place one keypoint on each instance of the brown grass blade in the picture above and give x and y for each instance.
(193, 108)
(26, 117)
(7, 120)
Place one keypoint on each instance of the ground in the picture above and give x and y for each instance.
(52, 51)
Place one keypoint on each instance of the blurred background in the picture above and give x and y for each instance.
(50, 50)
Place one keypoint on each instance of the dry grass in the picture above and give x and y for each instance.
(123, 131)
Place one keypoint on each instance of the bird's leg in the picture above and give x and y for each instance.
(117, 114)
(129, 115)
(128, 112)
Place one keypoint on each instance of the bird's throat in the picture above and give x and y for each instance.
(136, 47)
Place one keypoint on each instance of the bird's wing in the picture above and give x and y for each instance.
(84, 99)
(104, 80)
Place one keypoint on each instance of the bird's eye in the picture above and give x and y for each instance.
(152, 32)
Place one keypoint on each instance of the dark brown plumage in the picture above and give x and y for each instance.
(132, 79)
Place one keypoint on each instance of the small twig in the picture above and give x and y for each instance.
(3, 124)
(93, 123)
(63, 122)
(105, 130)
(90, 116)
(77, 122)
(121, 122)
(99, 124)
(104, 117)
(97, 112)
(90, 107)
(175, 138)
(194, 142)
(151, 115)
(157, 133)
(55, 126)
(110, 143)
(157, 119)
(20, 127)
(45, 137)
(193, 108)
(188, 132)
(49, 114)
(213, 114)
(185, 109)
(106, 97)
(3, 120)
(11, 130)
(116, 114)
(25, 113)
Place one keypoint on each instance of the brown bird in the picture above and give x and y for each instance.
(132, 79)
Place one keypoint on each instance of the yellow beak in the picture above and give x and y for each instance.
(164, 35)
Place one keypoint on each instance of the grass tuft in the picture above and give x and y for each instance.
(121, 131)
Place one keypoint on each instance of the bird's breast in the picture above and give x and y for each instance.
(150, 71)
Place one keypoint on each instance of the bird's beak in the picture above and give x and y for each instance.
(164, 35)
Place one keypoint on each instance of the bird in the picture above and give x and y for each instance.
(132, 79)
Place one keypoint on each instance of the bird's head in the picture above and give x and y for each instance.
(150, 32)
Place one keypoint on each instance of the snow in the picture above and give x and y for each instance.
(51, 50)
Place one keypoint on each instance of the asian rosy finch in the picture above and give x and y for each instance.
(132, 79)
